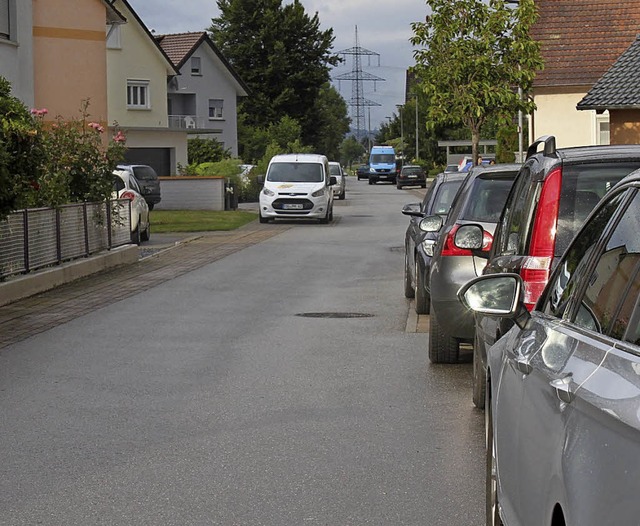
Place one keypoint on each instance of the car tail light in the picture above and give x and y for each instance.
(536, 267)
(449, 247)
(128, 195)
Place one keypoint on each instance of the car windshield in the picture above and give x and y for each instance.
(145, 173)
(334, 169)
(486, 199)
(444, 197)
(295, 173)
(582, 187)
(383, 158)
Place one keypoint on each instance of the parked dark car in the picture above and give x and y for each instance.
(554, 192)
(362, 172)
(411, 175)
(482, 197)
(148, 180)
(418, 245)
(563, 385)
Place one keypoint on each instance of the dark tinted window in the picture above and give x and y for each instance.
(145, 173)
(444, 197)
(412, 170)
(486, 198)
(295, 173)
(573, 265)
(118, 184)
(615, 278)
(583, 185)
(514, 229)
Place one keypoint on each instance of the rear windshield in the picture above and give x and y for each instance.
(444, 197)
(412, 170)
(486, 199)
(145, 173)
(582, 188)
(295, 173)
(383, 158)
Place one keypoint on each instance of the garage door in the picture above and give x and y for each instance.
(158, 158)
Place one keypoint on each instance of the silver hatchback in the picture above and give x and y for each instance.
(563, 385)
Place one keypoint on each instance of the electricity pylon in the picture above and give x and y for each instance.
(358, 101)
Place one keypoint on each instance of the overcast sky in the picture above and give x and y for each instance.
(383, 27)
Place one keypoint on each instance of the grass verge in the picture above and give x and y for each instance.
(163, 221)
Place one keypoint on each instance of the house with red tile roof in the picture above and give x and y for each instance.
(618, 92)
(580, 40)
(203, 99)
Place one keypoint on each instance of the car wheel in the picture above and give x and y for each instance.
(491, 491)
(408, 287)
(422, 302)
(324, 220)
(331, 215)
(150, 205)
(263, 219)
(424, 185)
(135, 235)
(370, 181)
(479, 377)
(147, 233)
(399, 187)
(442, 347)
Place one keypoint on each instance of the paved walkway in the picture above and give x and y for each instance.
(166, 258)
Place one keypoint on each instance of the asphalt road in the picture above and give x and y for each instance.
(275, 385)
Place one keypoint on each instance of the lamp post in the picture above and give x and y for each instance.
(417, 151)
(399, 106)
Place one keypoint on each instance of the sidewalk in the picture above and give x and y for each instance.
(174, 255)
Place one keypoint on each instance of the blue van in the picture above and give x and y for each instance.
(382, 164)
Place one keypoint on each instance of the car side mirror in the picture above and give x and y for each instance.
(471, 237)
(498, 295)
(333, 180)
(412, 209)
(260, 179)
(431, 224)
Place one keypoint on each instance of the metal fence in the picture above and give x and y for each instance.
(35, 238)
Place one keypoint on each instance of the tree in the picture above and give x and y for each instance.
(281, 54)
(206, 151)
(474, 57)
(332, 122)
(351, 150)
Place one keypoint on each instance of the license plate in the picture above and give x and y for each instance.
(413, 177)
(292, 206)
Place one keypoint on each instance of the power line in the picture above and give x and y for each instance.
(357, 77)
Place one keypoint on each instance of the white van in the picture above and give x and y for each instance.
(297, 185)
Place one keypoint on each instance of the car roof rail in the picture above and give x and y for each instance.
(549, 142)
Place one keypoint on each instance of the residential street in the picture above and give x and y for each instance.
(269, 376)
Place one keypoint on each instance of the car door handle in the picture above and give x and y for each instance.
(562, 387)
(523, 365)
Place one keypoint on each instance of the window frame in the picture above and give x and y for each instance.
(144, 87)
(218, 116)
(6, 32)
(195, 65)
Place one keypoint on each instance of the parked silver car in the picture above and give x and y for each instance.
(125, 186)
(480, 201)
(339, 189)
(563, 385)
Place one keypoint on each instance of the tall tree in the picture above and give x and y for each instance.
(474, 57)
(331, 122)
(281, 54)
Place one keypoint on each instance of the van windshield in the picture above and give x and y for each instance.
(295, 173)
(383, 158)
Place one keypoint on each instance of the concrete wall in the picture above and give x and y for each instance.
(557, 115)
(192, 193)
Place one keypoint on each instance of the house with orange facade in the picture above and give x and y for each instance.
(580, 40)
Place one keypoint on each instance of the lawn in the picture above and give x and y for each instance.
(163, 221)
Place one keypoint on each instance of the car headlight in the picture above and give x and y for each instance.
(318, 193)
(268, 192)
(428, 245)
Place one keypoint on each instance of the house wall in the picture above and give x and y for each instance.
(69, 57)
(556, 114)
(16, 54)
(213, 83)
(625, 126)
(137, 59)
(174, 140)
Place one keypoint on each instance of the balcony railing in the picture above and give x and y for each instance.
(191, 122)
